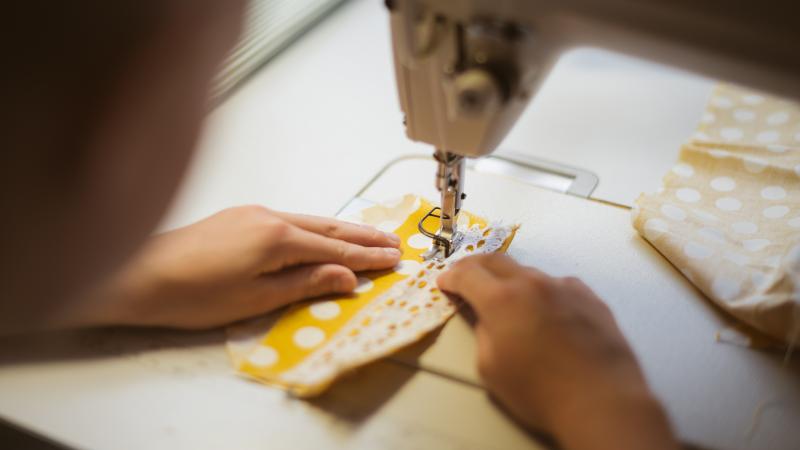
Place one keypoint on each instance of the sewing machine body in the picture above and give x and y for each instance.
(467, 69)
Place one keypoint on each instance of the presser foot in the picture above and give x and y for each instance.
(443, 245)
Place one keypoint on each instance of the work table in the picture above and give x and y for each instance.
(307, 133)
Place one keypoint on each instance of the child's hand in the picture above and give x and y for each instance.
(550, 350)
(235, 264)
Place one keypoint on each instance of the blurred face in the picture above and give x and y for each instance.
(130, 166)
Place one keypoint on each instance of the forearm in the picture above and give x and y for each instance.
(111, 302)
(633, 419)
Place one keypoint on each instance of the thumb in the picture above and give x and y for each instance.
(474, 284)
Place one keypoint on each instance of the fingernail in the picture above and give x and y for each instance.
(393, 237)
(392, 251)
(344, 284)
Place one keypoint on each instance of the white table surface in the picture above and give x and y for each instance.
(305, 134)
(710, 389)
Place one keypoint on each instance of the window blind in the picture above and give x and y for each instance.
(270, 26)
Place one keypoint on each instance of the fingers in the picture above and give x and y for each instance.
(357, 234)
(492, 281)
(473, 282)
(288, 286)
(493, 266)
(502, 266)
(301, 247)
(498, 264)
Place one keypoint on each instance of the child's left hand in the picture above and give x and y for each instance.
(238, 263)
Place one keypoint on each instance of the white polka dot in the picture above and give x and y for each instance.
(325, 310)
(419, 241)
(263, 356)
(688, 195)
(697, 251)
(758, 279)
(794, 223)
(395, 202)
(737, 258)
(731, 134)
(654, 228)
(752, 99)
(744, 115)
(754, 165)
(407, 267)
(708, 117)
(775, 148)
(364, 285)
(773, 261)
(723, 184)
(775, 212)
(755, 245)
(773, 193)
(728, 204)
(726, 288)
(778, 118)
(308, 337)
(705, 216)
(722, 102)
(768, 136)
(719, 153)
(673, 212)
(700, 136)
(711, 234)
(683, 170)
(745, 227)
(388, 226)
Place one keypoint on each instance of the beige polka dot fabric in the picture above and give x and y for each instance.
(728, 215)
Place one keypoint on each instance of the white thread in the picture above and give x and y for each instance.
(758, 413)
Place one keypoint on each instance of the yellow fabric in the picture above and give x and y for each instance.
(728, 215)
(304, 336)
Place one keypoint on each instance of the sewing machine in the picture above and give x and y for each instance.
(466, 69)
(135, 389)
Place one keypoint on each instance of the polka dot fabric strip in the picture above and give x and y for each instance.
(313, 343)
(728, 215)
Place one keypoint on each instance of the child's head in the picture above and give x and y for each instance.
(100, 107)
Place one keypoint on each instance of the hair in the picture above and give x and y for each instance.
(63, 64)
(60, 61)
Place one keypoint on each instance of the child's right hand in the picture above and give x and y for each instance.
(550, 350)
(238, 263)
